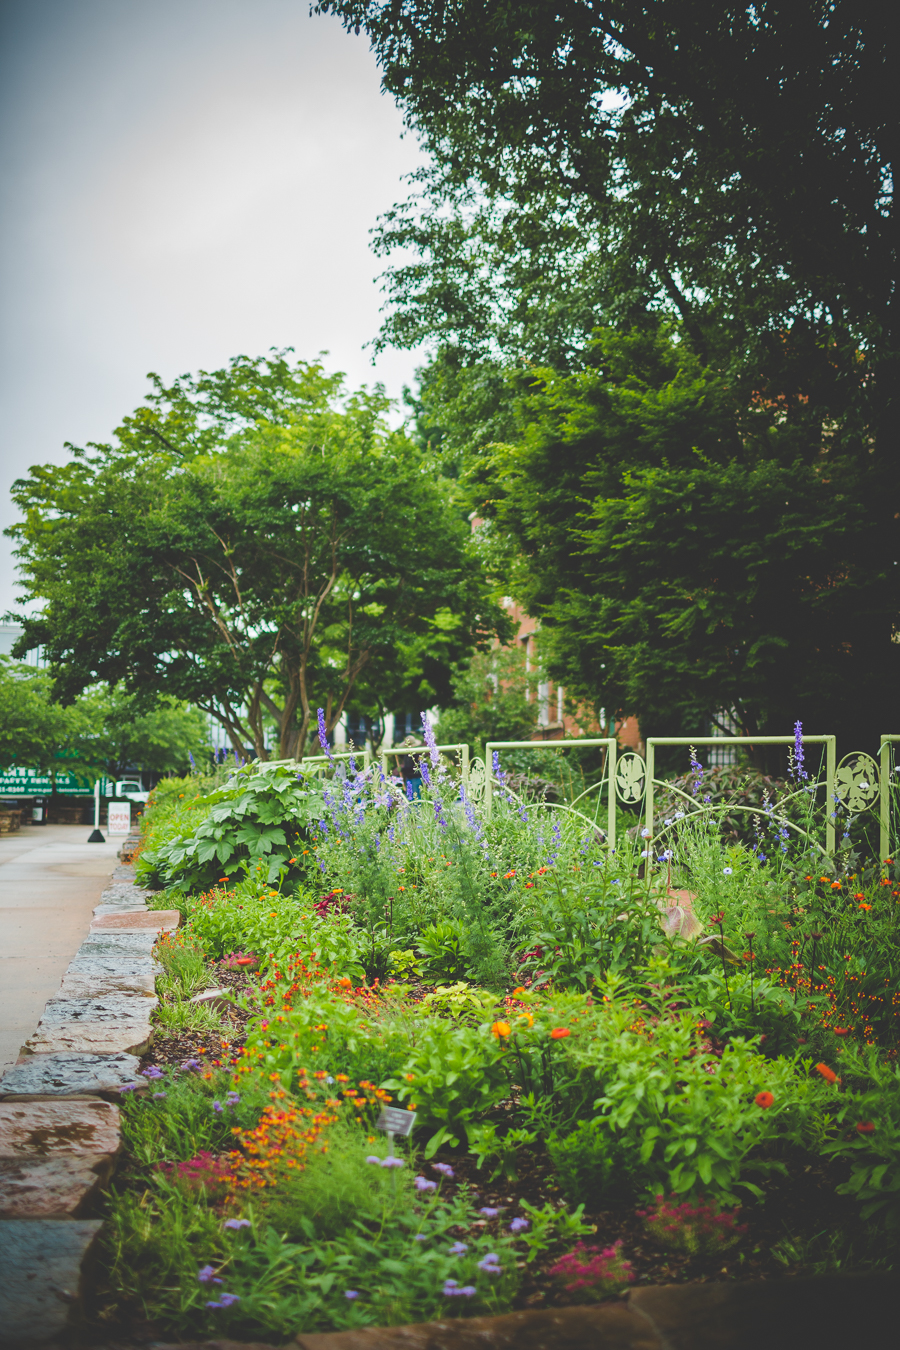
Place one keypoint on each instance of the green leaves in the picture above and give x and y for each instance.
(235, 834)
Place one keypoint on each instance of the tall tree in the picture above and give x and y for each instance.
(255, 543)
(707, 186)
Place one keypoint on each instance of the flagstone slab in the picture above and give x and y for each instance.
(136, 983)
(124, 894)
(42, 1262)
(101, 1025)
(51, 1188)
(83, 1127)
(136, 921)
(70, 1075)
(111, 946)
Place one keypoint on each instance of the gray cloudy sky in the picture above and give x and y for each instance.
(182, 180)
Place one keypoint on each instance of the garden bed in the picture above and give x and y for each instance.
(571, 1044)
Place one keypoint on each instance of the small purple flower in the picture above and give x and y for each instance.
(130, 1087)
(351, 1294)
(391, 1161)
(488, 1212)
(207, 1275)
(445, 1170)
(423, 1184)
(373, 1158)
(225, 1300)
(218, 1108)
(153, 1072)
(453, 1290)
(490, 1264)
(519, 1225)
(192, 1065)
(458, 1248)
(158, 1096)
(420, 1237)
(237, 1223)
(233, 1098)
(498, 772)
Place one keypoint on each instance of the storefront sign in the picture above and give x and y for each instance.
(19, 782)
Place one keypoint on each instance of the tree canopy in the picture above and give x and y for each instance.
(654, 250)
(256, 543)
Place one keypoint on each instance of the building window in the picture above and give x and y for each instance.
(727, 754)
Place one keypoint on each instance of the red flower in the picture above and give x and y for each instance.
(866, 1127)
(764, 1099)
(559, 1032)
(828, 1074)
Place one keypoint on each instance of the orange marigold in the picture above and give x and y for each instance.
(501, 1029)
(764, 1099)
(559, 1032)
(866, 1127)
(828, 1074)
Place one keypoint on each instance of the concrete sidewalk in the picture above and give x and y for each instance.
(50, 880)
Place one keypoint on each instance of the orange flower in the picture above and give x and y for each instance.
(828, 1074)
(866, 1127)
(559, 1032)
(320, 1073)
(518, 992)
(341, 1078)
(835, 885)
(860, 895)
(501, 1029)
(764, 1099)
(410, 1077)
(841, 1031)
(865, 906)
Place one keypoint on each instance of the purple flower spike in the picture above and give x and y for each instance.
(519, 1225)
(323, 734)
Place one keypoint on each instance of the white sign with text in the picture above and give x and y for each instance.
(119, 818)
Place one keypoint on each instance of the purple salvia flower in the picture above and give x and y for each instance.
(799, 771)
(323, 734)
(430, 741)
(498, 772)
(697, 771)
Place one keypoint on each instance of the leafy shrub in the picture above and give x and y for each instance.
(454, 1075)
(256, 821)
(441, 950)
(595, 1166)
(868, 1119)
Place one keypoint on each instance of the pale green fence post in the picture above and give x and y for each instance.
(885, 794)
(396, 750)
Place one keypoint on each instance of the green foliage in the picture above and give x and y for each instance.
(596, 1166)
(872, 1101)
(254, 824)
(457, 1076)
(37, 733)
(492, 699)
(215, 553)
(440, 947)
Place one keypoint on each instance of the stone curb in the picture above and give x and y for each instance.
(59, 1136)
(839, 1312)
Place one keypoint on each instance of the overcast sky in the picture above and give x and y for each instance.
(182, 180)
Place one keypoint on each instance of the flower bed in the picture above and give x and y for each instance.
(571, 1048)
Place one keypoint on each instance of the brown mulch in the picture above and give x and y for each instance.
(802, 1203)
(174, 1047)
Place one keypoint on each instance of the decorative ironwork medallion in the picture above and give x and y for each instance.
(856, 782)
(477, 776)
(630, 775)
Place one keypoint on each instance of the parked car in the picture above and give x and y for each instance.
(133, 789)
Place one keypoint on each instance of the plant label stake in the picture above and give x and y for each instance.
(393, 1120)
